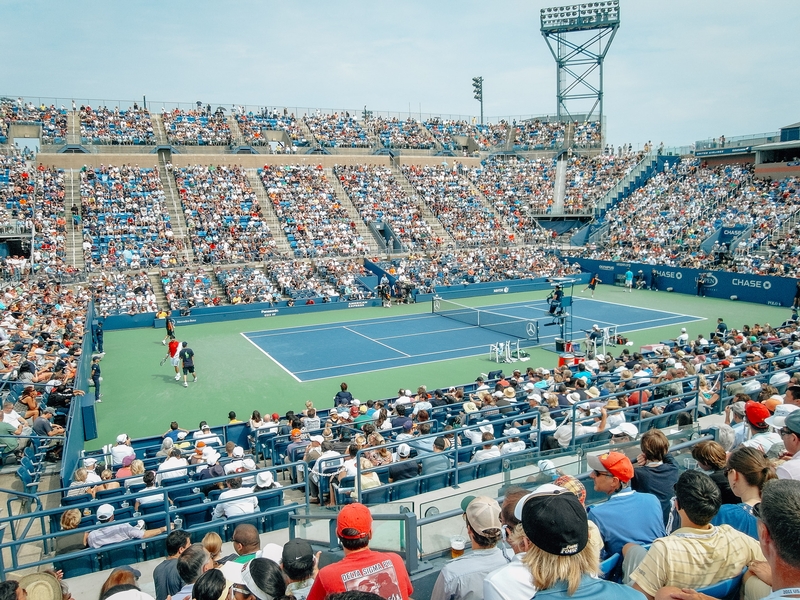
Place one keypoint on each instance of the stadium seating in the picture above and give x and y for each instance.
(196, 128)
(117, 127)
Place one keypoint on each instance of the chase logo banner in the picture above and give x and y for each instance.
(774, 291)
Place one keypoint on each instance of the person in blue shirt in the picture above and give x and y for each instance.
(748, 469)
(560, 559)
(628, 515)
(629, 280)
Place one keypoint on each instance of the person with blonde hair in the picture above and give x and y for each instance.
(561, 561)
(109, 483)
(78, 485)
(368, 479)
(213, 543)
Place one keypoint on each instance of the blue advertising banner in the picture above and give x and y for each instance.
(774, 291)
(729, 233)
(723, 151)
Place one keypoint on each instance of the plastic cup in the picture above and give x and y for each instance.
(690, 464)
(457, 545)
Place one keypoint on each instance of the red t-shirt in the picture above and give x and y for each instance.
(382, 573)
(173, 348)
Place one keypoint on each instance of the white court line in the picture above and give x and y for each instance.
(642, 308)
(297, 379)
(377, 342)
(337, 325)
(369, 362)
(638, 322)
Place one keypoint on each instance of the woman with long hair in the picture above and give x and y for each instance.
(265, 578)
(748, 469)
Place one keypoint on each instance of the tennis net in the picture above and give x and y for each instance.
(518, 327)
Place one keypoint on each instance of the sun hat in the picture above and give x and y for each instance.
(483, 514)
(264, 479)
(41, 586)
(778, 419)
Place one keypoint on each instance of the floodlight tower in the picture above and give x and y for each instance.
(579, 37)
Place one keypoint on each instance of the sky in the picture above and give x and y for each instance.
(676, 72)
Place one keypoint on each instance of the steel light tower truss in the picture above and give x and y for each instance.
(579, 37)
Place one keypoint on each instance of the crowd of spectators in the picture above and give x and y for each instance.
(396, 133)
(492, 134)
(223, 215)
(188, 288)
(428, 273)
(378, 196)
(16, 194)
(196, 128)
(665, 221)
(49, 220)
(252, 125)
(588, 179)
(446, 130)
(535, 134)
(122, 293)
(337, 130)
(124, 220)
(314, 221)
(452, 200)
(588, 135)
(52, 119)
(517, 188)
(118, 127)
(245, 285)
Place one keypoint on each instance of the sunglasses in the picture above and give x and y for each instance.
(727, 470)
(785, 431)
(602, 473)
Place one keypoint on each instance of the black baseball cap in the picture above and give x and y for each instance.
(296, 551)
(554, 520)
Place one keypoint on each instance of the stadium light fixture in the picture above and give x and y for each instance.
(477, 84)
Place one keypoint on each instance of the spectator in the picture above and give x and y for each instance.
(628, 516)
(238, 500)
(192, 563)
(462, 578)
(561, 562)
(717, 553)
(165, 576)
(299, 565)
(656, 471)
(112, 534)
(383, 572)
(261, 578)
(70, 520)
(712, 458)
(121, 450)
(404, 468)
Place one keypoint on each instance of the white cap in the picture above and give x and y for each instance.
(403, 450)
(238, 452)
(356, 402)
(122, 438)
(512, 431)
(628, 429)
(89, 461)
(683, 329)
(264, 479)
(105, 512)
(249, 464)
(528, 386)
(316, 438)
(407, 393)
(182, 435)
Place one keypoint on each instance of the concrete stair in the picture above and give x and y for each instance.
(363, 229)
(306, 131)
(436, 227)
(159, 130)
(268, 212)
(73, 127)
(74, 241)
(173, 206)
(236, 133)
(158, 289)
(560, 185)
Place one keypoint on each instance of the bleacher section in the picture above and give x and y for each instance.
(196, 128)
(253, 126)
(223, 216)
(337, 131)
(125, 221)
(117, 127)
(53, 120)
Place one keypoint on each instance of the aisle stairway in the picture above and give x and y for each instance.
(268, 213)
(159, 130)
(74, 241)
(73, 127)
(173, 206)
(560, 185)
(236, 133)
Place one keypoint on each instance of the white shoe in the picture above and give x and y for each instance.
(177, 377)
(98, 400)
(194, 380)
(163, 343)
(185, 384)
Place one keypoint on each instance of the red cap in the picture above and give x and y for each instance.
(357, 519)
(615, 463)
(276, 417)
(756, 414)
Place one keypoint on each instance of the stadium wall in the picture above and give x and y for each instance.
(773, 291)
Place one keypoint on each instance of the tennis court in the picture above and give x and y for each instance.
(315, 352)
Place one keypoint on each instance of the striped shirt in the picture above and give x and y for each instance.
(695, 558)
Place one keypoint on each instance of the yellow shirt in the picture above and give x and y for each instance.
(695, 558)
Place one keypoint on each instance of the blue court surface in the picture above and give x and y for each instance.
(352, 347)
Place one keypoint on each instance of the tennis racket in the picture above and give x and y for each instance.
(163, 360)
